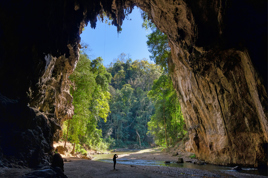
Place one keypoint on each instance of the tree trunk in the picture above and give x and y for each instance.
(67, 134)
(165, 123)
(139, 138)
(73, 151)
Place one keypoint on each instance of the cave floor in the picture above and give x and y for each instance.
(79, 168)
(88, 168)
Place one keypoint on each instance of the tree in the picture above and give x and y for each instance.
(166, 125)
(157, 43)
(90, 91)
(131, 109)
(167, 122)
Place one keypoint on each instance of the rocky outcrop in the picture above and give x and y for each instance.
(220, 112)
(46, 171)
(53, 97)
(61, 150)
(219, 64)
(39, 48)
(216, 48)
(26, 134)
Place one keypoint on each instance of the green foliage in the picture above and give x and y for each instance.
(110, 142)
(80, 149)
(166, 125)
(130, 107)
(167, 118)
(147, 23)
(192, 156)
(157, 44)
(159, 48)
(127, 104)
(90, 91)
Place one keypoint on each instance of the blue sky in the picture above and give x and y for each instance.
(104, 41)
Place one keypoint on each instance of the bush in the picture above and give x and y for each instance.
(110, 142)
(80, 149)
(83, 151)
(192, 156)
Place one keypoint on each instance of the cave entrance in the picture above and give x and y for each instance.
(225, 36)
(120, 112)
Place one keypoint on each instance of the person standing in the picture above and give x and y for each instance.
(114, 159)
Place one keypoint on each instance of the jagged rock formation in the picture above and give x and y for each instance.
(223, 97)
(39, 48)
(218, 56)
(46, 171)
(25, 134)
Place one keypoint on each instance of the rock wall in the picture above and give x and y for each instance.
(39, 48)
(39, 44)
(25, 135)
(216, 48)
(218, 55)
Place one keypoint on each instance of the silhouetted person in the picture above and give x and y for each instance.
(57, 161)
(114, 159)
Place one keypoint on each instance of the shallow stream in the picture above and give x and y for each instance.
(209, 167)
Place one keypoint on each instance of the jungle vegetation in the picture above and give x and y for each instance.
(129, 103)
(90, 91)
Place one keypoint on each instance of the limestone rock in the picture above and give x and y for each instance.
(46, 171)
(199, 162)
(28, 140)
(89, 156)
(57, 161)
(175, 154)
(180, 160)
(218, 76)
(86, 157)
(61, 149)
(237, 168)
(218, 62)
(188, 147)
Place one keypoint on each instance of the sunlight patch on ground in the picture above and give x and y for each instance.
(154, 151)
(155, 154)
(123, 155)
(144, 151)
(158, 149)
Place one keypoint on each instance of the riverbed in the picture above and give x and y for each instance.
(147, 163)
(154, 157)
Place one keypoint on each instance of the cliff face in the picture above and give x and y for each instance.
(216, 48)
(218, 55)
(26, 135)
(39, 48)
(37, 56)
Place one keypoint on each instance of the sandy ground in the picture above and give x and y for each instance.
(87, 168)
(79, 168)
(154, 154)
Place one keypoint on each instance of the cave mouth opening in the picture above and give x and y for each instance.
(106, 42)
(23, 50)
